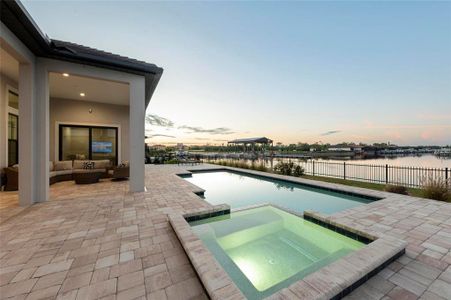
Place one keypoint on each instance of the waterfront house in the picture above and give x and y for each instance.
(64, 101)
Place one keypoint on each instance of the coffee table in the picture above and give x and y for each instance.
(87, 177)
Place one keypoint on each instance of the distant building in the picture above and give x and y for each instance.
(250, 143)
(356, 149)
(158, 147)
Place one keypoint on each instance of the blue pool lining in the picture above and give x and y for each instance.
(265, 176)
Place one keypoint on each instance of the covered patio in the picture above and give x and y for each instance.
(63, 105)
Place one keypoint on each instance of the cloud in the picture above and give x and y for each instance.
(161, 135)
(159, 121)
(156, 120)
(219, 130)
(202, 139)
(330, 132)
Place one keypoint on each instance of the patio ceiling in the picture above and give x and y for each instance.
(94, 90)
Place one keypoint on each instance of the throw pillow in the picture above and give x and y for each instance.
(122, 165)
(88, 165)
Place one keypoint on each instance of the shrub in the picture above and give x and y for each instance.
(397, 189)
(284, 168)
(261, 167)
(171, 161)
(437, 189)
(289, 169)
(298, 171)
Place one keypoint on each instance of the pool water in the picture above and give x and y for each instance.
(239, 190)
(266, 249)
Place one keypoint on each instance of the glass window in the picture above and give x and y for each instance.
(75, 143)
(13, 142)
(88, 142)
(13, 100)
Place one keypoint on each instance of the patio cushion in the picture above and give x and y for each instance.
(62, 172)
(102, 163)
(63, 165)
(78, 164)
(89, 171)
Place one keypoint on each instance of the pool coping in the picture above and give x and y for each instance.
(333, 281)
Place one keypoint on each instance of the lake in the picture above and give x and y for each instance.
(410, 171)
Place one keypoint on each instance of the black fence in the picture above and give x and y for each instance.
(385, 174)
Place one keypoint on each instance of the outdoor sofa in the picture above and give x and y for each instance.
(65, 170)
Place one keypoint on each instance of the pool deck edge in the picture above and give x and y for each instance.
(329, 282)
(216, 281)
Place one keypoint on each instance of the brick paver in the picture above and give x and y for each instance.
(98, 241)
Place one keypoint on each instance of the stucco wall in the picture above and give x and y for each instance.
(77, 112)
(4, 83)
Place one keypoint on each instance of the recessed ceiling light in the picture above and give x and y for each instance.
(82, 94)
(65, 74)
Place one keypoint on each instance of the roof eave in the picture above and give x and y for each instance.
(18, 20)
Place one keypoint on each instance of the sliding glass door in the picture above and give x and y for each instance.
(88, 142)
(74, 142)
(103, 143)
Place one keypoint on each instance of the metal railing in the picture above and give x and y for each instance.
(385, 174)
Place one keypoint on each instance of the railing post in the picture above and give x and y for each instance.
(313, 168)
(344, 170)
(386, 174)
(446, 176)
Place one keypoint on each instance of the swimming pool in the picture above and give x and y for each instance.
(240, 190)
(265, 249)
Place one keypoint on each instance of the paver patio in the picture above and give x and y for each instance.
(99, 241)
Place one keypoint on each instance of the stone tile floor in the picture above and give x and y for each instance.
(99, 241)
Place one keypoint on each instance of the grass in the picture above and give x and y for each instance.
(366, 185)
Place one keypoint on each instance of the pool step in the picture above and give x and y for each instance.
(298, 247)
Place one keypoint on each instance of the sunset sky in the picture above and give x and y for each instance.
(291, 71)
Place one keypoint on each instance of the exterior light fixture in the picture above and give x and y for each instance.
(65, 74)
(82, 94)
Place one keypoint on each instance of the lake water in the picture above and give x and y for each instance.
(411, 171)
(424, 161)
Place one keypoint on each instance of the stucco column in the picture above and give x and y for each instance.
(136, 134)
(41, 132)
(27, 184)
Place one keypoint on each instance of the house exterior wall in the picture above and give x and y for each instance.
(5, 83)
(66, 111)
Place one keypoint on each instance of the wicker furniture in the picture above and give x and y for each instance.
(64, 171)
(12, 179)
(2, 179)
(119, 172)
(86, 177)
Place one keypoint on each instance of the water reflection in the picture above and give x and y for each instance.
(424, 161)
(280, 186)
